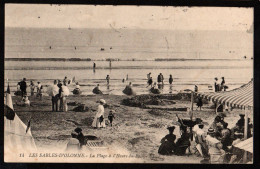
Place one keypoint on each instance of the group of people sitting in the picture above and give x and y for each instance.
(215, 145)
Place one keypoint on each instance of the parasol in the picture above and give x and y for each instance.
(52, 90)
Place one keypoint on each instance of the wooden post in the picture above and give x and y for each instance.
(216, 110)
(191, 101)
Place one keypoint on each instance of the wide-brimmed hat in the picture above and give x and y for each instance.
(170, 127)
(78, 130)
(102, 101)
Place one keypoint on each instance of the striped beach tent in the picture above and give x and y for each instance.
(241, 97)
(18, 138)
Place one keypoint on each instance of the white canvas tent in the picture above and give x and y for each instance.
(17, 140)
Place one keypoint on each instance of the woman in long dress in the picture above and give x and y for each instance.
(99, 120)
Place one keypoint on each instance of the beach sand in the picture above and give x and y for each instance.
(137, 130)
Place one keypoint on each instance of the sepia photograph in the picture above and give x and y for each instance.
(128, 84)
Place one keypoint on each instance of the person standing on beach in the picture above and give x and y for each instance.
(223, 84)
(162, 78)
(127, 77)
(54, 99)
(170, 79)
(110, 64)
(99, 120)
(65, 81)
(32, 86)
(60, 95)
(107, 78)
(23, 87)
(196, 88)
(216, 85)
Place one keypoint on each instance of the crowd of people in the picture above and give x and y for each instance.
(215, 144)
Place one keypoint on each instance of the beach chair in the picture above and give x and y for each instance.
(96, 145)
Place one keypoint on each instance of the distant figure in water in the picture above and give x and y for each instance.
(128, 90)
(50, 47)
(170, 79)
(111, 117)
(123, 80)
(167, 146)
(148, 76)
(110, 64)
(150, 82)
(196, 88)
(94, 65)
(127, 77)
(107, 78)
(96, 90)
(155, 89)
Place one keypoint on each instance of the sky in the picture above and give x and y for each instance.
(128, 17)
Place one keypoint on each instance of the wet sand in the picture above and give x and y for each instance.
(139, 130)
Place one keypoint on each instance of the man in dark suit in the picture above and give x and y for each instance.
(23, 87)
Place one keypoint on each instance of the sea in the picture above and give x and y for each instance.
(191, 57)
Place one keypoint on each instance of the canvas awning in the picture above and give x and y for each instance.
(241, 97)
(246, 145)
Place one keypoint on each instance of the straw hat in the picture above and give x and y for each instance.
(102, 101)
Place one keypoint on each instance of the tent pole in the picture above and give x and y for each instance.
(246, 124)
(245, 134)
(191, 101)
(216, 110)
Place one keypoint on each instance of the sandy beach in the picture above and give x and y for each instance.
(137, 129)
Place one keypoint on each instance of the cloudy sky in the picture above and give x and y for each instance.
(133, 17)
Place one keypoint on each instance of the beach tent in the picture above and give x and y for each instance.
(17, 136)
(241, 97)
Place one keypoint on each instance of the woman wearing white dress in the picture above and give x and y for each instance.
(99, 119)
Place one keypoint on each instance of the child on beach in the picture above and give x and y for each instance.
(111, 117)
(39, 90)
(32, 88)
